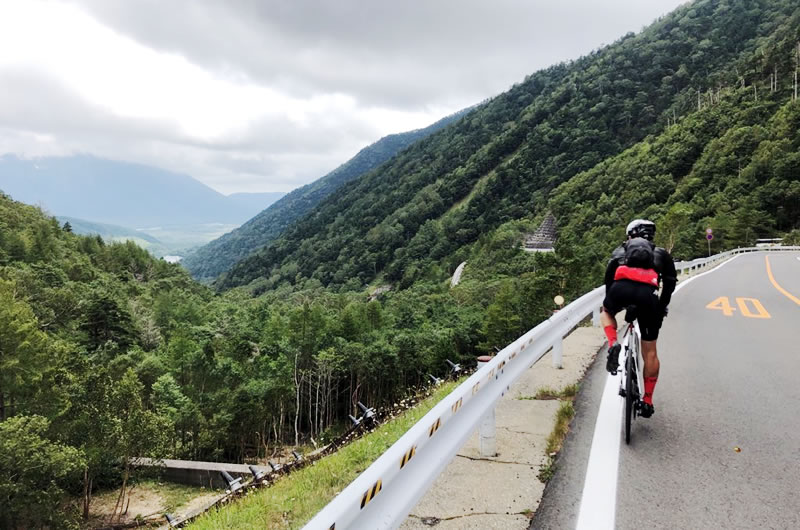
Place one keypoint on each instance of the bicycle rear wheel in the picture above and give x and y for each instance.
(630, 396)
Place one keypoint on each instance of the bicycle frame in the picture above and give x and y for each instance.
(632, 344)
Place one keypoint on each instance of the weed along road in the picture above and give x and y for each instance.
(723, 448)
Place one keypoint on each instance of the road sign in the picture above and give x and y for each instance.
(709, 237)
(709, 231)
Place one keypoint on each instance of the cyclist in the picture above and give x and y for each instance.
(634, 273)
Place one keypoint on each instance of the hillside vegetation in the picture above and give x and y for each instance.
(107, 353)
(211, 260)
(503, 160)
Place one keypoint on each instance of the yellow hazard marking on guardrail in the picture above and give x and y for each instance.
(475, 388)
(434, 427)
(457, 405)
(370, 494)
(491, 374)
(408, 456)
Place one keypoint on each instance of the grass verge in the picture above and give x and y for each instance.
(564, 414)
(295, 499)
(568, 392)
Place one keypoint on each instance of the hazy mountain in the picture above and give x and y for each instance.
(216, 257)
(115, 233)
(122, 193)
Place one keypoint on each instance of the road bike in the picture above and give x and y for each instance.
(632, 380)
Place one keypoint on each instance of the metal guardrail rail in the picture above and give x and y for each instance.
(384, 494)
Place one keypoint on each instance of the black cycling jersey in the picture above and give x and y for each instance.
(663, 265)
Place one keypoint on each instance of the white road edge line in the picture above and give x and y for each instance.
(718, 267)
(599, 498)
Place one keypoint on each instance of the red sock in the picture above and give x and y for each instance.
(611, 333)
(649, 386)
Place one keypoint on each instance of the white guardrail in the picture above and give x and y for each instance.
(384, 494)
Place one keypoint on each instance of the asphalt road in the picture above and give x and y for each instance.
(723, 449)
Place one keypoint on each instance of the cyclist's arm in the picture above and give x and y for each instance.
(612, 266)
(669, 278)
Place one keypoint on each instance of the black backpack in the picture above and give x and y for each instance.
(639, 253)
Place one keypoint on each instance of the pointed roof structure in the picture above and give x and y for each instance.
(544, 239)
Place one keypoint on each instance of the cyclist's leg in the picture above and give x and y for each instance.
(649, 324)
(609, 321)
(611, 306)
(650, 357)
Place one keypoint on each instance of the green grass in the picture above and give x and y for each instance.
(295, 499)
(555, 440)
(564, 414)
(546, 392)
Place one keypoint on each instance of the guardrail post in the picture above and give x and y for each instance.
(488, 437)
(596, 317)
(558, 353)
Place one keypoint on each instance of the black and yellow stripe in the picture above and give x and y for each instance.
(333, 527)
(434, 427)
(408, 456)
(457, 405)
(370, 494)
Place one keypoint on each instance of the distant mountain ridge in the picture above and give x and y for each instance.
(122, 193)
(211, 260)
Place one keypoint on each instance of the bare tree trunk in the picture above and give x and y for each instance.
(775, 77)
(310, 408)
(86, 492)
(297, 391)
(128, 503)
(121, 497)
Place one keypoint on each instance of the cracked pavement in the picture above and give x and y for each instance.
(503, 492)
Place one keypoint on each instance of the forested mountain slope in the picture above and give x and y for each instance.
(211, 260)
(502, 161)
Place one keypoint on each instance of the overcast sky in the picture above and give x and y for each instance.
(267, 95)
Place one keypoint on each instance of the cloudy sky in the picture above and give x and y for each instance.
(268, 95)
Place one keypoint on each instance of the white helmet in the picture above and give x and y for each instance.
(641, 228)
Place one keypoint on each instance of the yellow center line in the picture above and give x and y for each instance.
(789, 295)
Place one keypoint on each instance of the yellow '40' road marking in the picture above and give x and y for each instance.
(723, 304)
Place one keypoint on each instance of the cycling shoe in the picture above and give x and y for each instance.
(646, 410)
(612, 363)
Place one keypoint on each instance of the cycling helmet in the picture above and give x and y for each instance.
(641, 228)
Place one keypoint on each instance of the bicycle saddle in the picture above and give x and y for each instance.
(630, 313)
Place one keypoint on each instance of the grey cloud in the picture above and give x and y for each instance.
(39, 104)
(404, 55)
(40, 117)
(417, 55)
